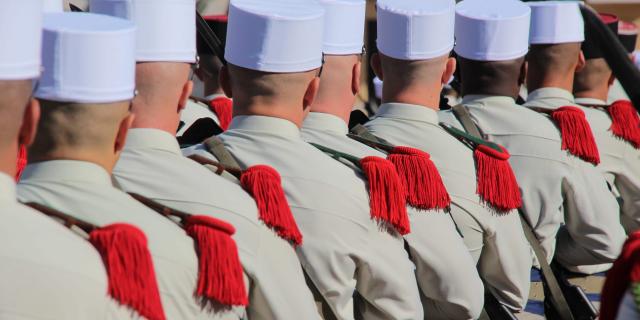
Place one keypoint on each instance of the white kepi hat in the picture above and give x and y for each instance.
(492, 30)
(415, 29)
(343, 26)
(554, 22)
(20, 36)
(275, 35)
(166, 28)
(52, 6)
(87, 58)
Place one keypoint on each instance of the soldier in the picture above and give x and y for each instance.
(414, 42)
(46, 270)
(215, 105)
(447, 278)
(274, 55)
(620, 295)
(557, 188)
(85, 119)
(152, 165)
(615, 127)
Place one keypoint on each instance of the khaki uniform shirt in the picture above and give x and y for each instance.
(619, 161)
(153, 166)
(616, 92)
(47, 271)
(84, 190)
(446, 273)
(496, 241)
(343, 249)
(556, 188)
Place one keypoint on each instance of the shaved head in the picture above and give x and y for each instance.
(500, 78)
(15, 96)
(595, 75)
(78, 131)
(553, 65)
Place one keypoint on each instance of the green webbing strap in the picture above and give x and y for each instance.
(337, 154)
(467, 138)
(362, 131)
(557, 297)
(216, 147)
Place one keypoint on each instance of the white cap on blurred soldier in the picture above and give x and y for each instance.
(415, 29)
(166, 28)
(87, 58)
(492, 30)
(554, 22)
(343, 26)
(275, 35)
(20, 36)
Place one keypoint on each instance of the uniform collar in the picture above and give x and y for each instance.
(591, 101)
(325, 122)
(410, 112)
(214, 96)
(487, 100)
(551, 93)
(263, 124)
(66, 171)
(7, 188)
(152, 139)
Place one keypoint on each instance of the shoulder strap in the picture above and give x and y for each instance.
(67, 220)
(160, 208)
(557, 297)
(215, 146)
(463, 115)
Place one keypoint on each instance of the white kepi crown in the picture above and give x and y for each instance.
(166, 28)
(492, 30)
(275, 35)
(343, 26)
(554, 22)
(52, 6)
(20, 36)
(87, 58)
(415, 29)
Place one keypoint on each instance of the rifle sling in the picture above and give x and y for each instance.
(68, 220)
(557, 297)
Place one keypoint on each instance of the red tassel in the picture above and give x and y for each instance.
(387, 197)
(264, 184)
(625, 269)
(497, 184)
(22, 161)
(577, 136)
(219, 269)
(625, 122)
(132, 279)
(420, 178)
(223, 108)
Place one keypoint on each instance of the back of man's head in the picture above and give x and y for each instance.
(553, 65)
(76, 131)
(594, 79)
(18, 114)
(499, 78)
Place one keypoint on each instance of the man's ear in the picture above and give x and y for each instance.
(310, 94)
(612, 78)
(187, 88)
(449, 69)
(30, 120)
(355, 77)
(582, 62)
(225, 81)
(523, 72)
(123, 129)
(376, 65)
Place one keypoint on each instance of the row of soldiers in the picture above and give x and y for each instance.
(414, 214)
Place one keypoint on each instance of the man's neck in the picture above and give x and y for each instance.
(427, 100)
(275, 110)
(156, 117)
(535, 83)
(599, 94)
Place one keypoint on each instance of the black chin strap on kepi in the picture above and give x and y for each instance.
(210, 38)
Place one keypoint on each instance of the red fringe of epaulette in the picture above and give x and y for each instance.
(420, 178)
(497, 184)
(625, 122)
(577, 136)
(220, 275)
(624, 273)
(132, 278)
(22, 161)
(264, 184)
(223, 108)
(387, 197)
